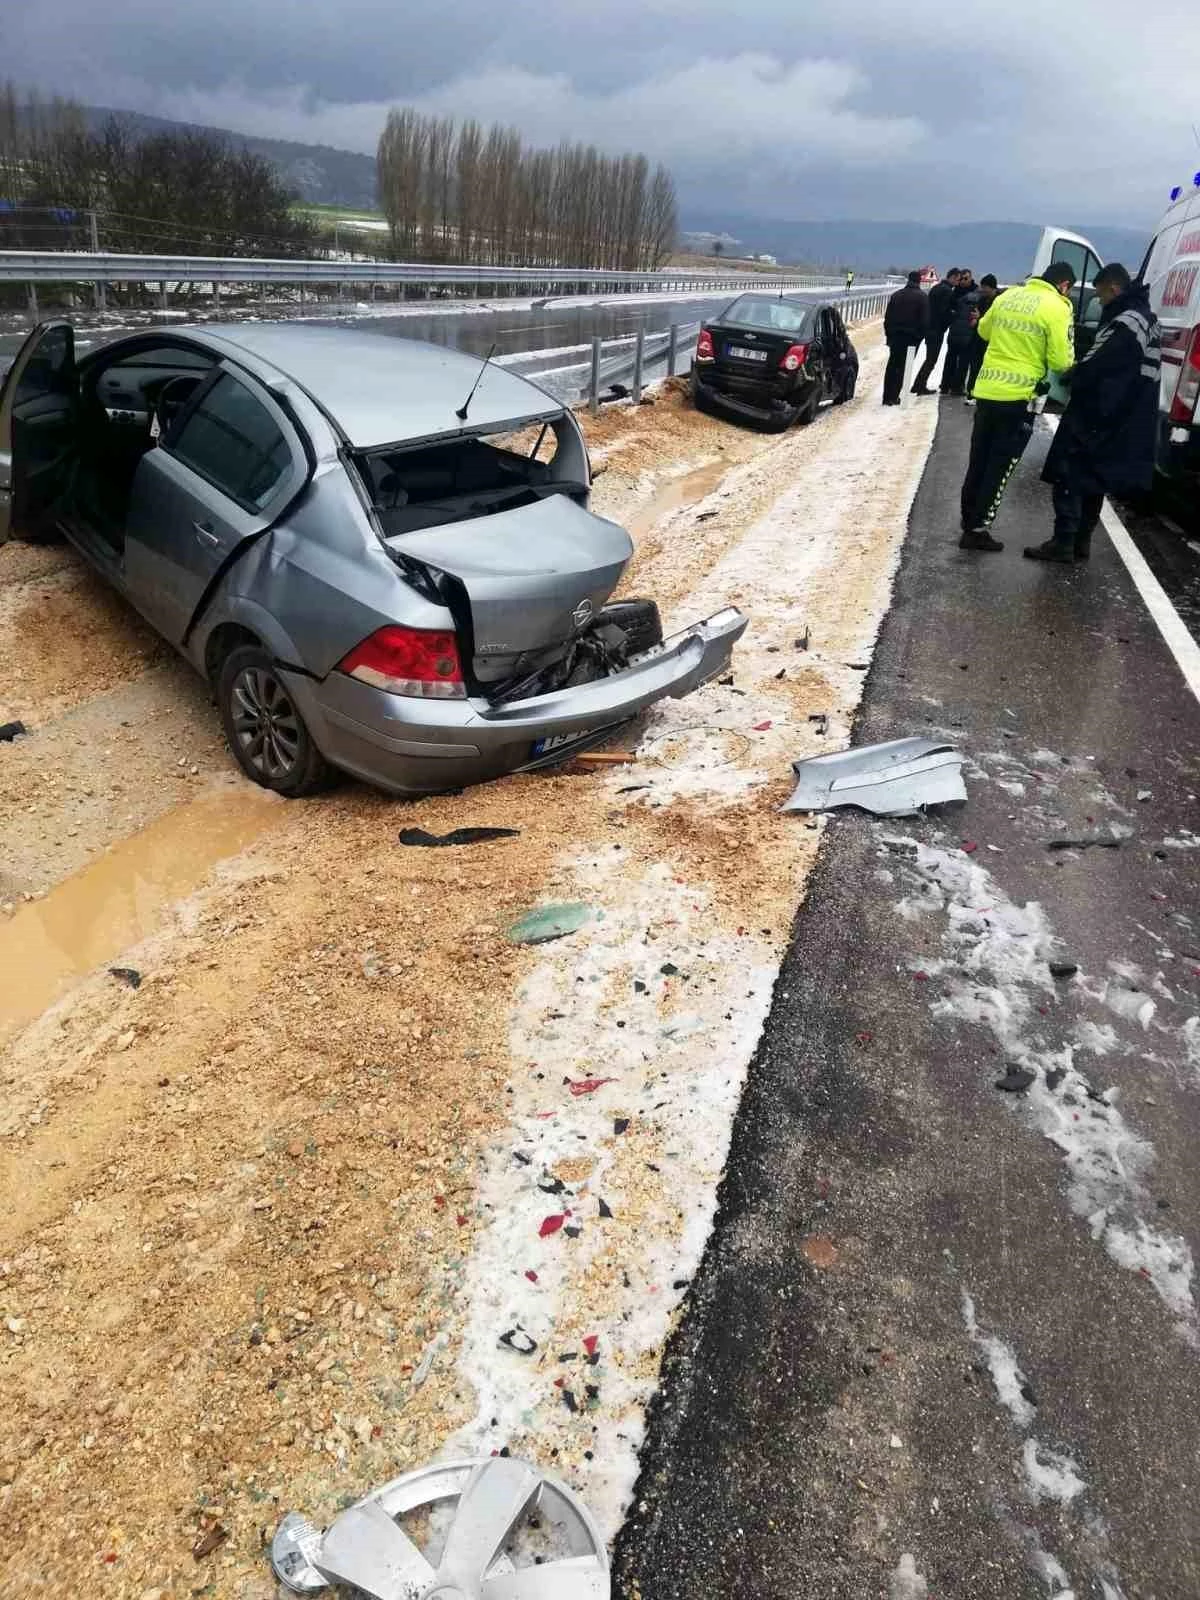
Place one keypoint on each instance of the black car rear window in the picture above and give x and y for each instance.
(772, 316)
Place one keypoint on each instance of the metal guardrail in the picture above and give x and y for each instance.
(52, 266)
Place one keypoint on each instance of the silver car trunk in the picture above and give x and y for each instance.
(533, 577)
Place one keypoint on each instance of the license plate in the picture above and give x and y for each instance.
(559, 741)
(740, 352)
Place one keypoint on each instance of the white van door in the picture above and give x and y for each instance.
(1060, 244)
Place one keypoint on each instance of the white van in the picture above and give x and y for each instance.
(1171, 270)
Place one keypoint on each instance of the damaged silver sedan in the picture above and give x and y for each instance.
(378, 552)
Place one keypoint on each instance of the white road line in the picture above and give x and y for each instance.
(1170, 624)
(1168, 621)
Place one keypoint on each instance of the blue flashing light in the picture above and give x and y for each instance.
(1196, 180)
(1176, 192)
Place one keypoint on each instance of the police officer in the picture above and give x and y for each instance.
(1105, 440)
(1028, 332)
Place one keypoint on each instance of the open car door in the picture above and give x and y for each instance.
(1060, 244)
(38, 413)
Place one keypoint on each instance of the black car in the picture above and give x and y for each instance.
(773, 360)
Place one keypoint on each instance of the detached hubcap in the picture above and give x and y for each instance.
(265, 723)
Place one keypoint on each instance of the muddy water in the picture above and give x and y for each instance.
(675, 495)
(90, 918)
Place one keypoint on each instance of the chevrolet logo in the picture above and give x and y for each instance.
(582, 614)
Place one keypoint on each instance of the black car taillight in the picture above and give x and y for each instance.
(704, 346)
(795, 358)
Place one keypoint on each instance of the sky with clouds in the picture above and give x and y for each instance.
(1019, 110)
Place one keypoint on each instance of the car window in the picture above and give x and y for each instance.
(1077, 256)
(232, 440)
(1160, 253)
(49, 369)
(773, 316)
(164, 355)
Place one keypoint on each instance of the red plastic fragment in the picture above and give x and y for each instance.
(551, 1225)
(761, 727)
(461, 1220)
(969, 847)
(531, 1275)
(863, 1038)
(588, 1085)
(439, 1200)
(590, 1343)
(920, 977)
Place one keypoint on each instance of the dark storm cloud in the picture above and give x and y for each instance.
(873, 110)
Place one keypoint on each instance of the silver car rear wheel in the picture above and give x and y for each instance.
(265, 730)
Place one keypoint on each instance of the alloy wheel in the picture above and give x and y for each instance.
(266, 724)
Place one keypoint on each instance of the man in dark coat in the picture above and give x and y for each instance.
(988, 290)
(941, 308)
(1106, 436)
(905, 324)
(964, 318)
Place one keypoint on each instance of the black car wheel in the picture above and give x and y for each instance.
(808, 411)
(846, 388)
(266, 732)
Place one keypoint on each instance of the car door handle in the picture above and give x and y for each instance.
(205, 534)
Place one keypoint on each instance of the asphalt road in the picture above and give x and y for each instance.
(935, 1319)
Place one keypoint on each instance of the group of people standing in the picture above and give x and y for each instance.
(1001, 348)
(948, 315)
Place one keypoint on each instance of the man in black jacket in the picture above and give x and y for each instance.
(941, 309)
(964, 317)
(1106, 436)
(905, 324)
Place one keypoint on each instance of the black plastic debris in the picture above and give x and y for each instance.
(517, 1339)
(632, 788)
(669, 969)
(821, 719)
(519, 1155)
(1063, 969)
(555, 1186)
(127, 975)
(782, 673)
(1054, 1077)
(638, 986)
(572, 1230)
(570, 1401)
(433, 841)
(605, 1208)
(11, 730)
(1016, 1080)
(620, 1124)
(1027, 1394)
(802, 642)
(1094, 842)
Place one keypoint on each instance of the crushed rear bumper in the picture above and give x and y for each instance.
(412, 746)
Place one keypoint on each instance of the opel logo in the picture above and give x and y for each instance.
(582, 613)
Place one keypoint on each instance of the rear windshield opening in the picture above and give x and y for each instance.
(772, 316)
(455, 480)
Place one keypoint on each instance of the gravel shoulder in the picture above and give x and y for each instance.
(268, 1199)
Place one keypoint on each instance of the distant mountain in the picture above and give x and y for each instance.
(1005, 248)
(316, 172)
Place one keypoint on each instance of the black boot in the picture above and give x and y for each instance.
(1083, 546)
(1060, 550)
(979, 539)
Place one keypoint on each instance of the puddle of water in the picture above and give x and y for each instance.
(676, 493)
(91, 917)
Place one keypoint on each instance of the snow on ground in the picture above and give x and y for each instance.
(631, 1041)
(995, 970)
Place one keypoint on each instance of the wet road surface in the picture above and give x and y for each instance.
(936, 1319)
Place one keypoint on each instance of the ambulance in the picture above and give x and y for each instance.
(1171, 270)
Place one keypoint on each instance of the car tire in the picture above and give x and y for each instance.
(266, 733)
(845, 390)
(701, 401)
(807, 413)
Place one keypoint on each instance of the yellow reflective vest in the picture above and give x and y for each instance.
(1030, 333)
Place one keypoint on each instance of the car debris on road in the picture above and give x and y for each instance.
(893, 779)
(513, 1529)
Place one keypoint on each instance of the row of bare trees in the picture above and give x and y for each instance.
(185, 193)
(461, 192)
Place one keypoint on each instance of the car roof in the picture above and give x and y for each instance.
(381, 390)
